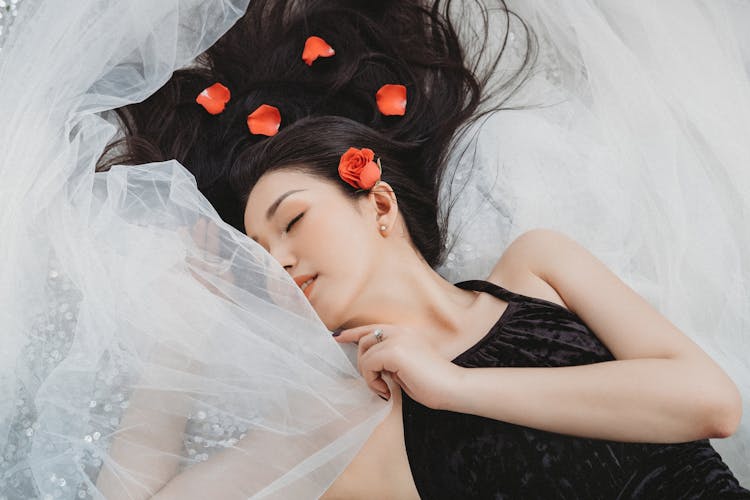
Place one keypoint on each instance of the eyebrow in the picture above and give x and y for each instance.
(275, 205)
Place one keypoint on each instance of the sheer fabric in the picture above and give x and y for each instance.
(137, 324)
(141, 334)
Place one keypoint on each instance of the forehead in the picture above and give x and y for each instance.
(273, 185)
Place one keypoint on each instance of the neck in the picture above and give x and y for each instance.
(413, 294)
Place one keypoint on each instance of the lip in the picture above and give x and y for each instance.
(308, 290)
(301, 279)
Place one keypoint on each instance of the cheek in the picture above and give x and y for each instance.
(343, 237)
(342, 249)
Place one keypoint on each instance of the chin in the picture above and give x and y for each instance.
(329, 320)
(331, 309)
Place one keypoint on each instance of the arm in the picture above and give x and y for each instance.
(661, 388)
(146, 449)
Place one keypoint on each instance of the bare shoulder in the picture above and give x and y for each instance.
(519, 268)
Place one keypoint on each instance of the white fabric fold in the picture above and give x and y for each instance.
(143, 337)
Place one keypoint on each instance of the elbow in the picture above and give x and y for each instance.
(724, 414)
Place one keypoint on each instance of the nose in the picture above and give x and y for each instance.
(283, 255)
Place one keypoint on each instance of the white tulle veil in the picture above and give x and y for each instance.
(636, 148)
(130, 311)
(126, 300)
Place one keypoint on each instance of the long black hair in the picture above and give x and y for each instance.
(330, 106)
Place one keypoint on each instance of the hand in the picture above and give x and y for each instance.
(409, 358)
(204, 240)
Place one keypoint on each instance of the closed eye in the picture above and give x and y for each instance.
(291, 223)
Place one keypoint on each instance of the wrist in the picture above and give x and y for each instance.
(457, 389)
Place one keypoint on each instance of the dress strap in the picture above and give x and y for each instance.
(492, 288)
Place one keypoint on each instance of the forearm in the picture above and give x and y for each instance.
(262, 457)
(244, 469)
(636, 400)
(226, 474)
(145, 451)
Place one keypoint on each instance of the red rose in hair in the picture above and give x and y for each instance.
(358, 169)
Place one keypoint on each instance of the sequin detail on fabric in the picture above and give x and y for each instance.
(456, 455)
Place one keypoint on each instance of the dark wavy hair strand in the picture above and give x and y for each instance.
(329, 106)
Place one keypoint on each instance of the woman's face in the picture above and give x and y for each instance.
(314, 230)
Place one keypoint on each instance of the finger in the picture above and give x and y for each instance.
(214, 240)
(375, 382)
(374, 379)
(366, 342)
(373, 364)
(388, 379)
(198, 231)
(197, 234)
(398, 380)
(405, 388)
(356, 333)
(206, 236)
(229, 274)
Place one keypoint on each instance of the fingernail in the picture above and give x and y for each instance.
(336, 333)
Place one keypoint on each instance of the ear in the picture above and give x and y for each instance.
(384, 201)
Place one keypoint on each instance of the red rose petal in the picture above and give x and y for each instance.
(370, 175)
(316, 47)
(391, 99)
(368, 154)
(348, 166)
(265, 120)
(214, 98)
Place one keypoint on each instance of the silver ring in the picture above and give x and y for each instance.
(378, 334)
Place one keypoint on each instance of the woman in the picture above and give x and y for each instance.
(481, 432)
(209, 369)
(359, 265)
(321, 232)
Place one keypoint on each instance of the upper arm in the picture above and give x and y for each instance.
(624, 321)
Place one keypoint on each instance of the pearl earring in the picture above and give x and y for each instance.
(382, 228)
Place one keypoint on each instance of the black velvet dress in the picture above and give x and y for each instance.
(460, 456)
